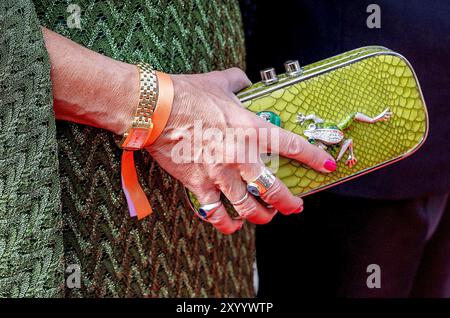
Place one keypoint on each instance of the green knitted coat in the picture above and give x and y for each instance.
(61, 201)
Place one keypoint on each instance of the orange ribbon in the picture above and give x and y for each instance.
(138, 203)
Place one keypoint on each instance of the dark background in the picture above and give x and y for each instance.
(305, 255)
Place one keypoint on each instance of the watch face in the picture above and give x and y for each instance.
(136, 138)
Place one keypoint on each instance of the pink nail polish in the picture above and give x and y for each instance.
(330, 165)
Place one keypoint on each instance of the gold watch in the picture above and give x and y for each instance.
(137, 135)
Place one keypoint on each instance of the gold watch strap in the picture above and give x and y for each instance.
(141, 126)
(154, 110)
(148, 87)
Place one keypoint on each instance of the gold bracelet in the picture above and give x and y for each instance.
(137, 135)
(152, 115)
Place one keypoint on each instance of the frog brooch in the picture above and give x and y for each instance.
(326, 134)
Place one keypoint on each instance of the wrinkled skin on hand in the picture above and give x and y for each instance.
(210, 98)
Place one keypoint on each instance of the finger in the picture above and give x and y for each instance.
(247, 206)
(220, 219)
(298, 148)
(291, 145)
(278, 195)
(253, 211)
(236, 78)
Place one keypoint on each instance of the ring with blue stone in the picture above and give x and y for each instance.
(262, 183)
(205, 211)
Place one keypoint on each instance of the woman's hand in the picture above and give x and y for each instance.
(95, 90)
(208, 100)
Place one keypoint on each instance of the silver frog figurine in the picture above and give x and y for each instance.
(325, 134)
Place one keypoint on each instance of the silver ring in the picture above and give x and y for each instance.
(262, 183)
(245, 197)
(205, 211)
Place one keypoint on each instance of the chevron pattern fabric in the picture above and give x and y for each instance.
(31, 241)
(170, 254)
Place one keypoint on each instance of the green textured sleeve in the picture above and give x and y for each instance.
(31, 244)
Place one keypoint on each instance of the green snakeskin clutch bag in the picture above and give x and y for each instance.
(364, 106)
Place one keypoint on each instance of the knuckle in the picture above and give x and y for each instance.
(199, 189)
(273, 195)
(315, 157)
(237, 70)
(247, 210)
(249, 171)
(217, 77)
(280, 197)
(250, 212)
(203, 192)
(216, 172)
(295, 145)
(241, 76)
(217, 220)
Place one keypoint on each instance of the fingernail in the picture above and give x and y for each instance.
(330, 165)
(300, 209)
